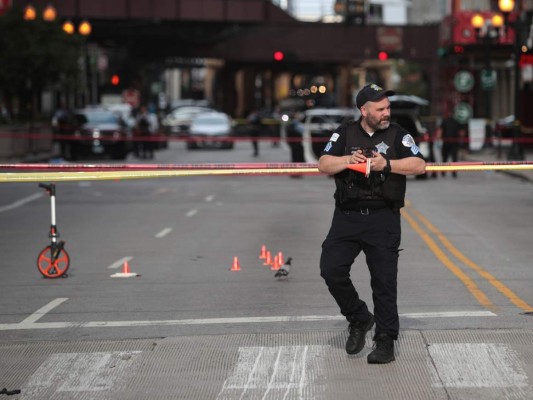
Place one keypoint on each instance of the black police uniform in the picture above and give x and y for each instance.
(367, 218)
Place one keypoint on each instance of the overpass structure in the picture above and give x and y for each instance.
(242, 36)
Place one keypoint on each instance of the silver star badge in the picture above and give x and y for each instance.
(382, 148)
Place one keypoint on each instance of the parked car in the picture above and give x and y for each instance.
(405, 111)
(211, 129)
(125, 111)
(97, 131)
(178, 121)
(319, 124)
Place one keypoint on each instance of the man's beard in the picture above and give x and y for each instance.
(378, 125)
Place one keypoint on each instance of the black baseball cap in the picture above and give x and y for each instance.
(371, 92)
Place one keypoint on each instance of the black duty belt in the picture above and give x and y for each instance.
(363, 210)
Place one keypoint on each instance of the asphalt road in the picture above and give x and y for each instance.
(189, 328)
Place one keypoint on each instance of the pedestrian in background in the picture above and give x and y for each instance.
(146, 126)
(367, 218)
(295, 132)
(254, 124)
(451, 133)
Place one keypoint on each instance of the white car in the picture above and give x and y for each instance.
(211, 129)
(319, 125)
(178, 121)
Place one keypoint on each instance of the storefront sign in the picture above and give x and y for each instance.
(462, 112)
(463, 81)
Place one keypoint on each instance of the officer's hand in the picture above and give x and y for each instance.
(357, 157)
(377, 162)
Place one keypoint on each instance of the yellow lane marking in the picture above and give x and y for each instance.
(443, 258)
(500, 286)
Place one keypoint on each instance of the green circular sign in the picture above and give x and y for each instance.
(463, 81)
(462, 112)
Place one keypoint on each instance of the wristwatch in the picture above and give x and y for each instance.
(387, 168)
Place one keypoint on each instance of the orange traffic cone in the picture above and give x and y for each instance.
(236, 265)
(126, 273)
(263, 254)
(126, 268)
(275, 264)
(280, 258)
(363, 167)
(268, 259)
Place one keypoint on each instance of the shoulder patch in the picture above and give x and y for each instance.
(334, 137)
(408, 141)
(328, 147)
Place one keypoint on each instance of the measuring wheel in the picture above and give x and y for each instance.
(53, 267)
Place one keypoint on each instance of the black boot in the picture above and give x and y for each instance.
(383, 352)
(358, 330)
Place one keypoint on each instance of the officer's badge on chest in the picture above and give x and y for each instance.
(382, 148)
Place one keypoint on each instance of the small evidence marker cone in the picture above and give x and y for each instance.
(268, 259)
(263, 254)
(236, 265)
(280, 258)
(125, 272)
(275, 264)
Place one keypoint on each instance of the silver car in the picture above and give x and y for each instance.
(178, 121)
(319, 124)
(213, 129)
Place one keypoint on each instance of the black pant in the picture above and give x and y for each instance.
(297, 152)
(378, 235)
(450, 150)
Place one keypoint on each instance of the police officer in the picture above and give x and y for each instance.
(367, 217)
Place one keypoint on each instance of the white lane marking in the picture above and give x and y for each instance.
(251, 373)
(209, 199)
(164, 232)
(449, 314)
(21, 202)
(120, 263)
(207, 321)
(191, 213)
(42, 311)
(493, 365)
(79, 372)
(85, 184)
(275, 372)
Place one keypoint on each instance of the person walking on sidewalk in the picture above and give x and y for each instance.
(367, 218)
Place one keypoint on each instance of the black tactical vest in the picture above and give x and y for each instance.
(353, 188)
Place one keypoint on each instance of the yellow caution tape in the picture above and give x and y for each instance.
(118, 175)
(145, 174)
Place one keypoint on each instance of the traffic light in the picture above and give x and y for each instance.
(458, 49)
(383, 56)
(278, 55)
(115, 80)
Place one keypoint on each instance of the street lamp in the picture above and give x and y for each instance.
(487, 33)
(49, 13)
(29, 13)
(85, 28)
(68, 27)
(506, 7)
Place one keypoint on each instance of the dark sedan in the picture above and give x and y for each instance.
(96, 131)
